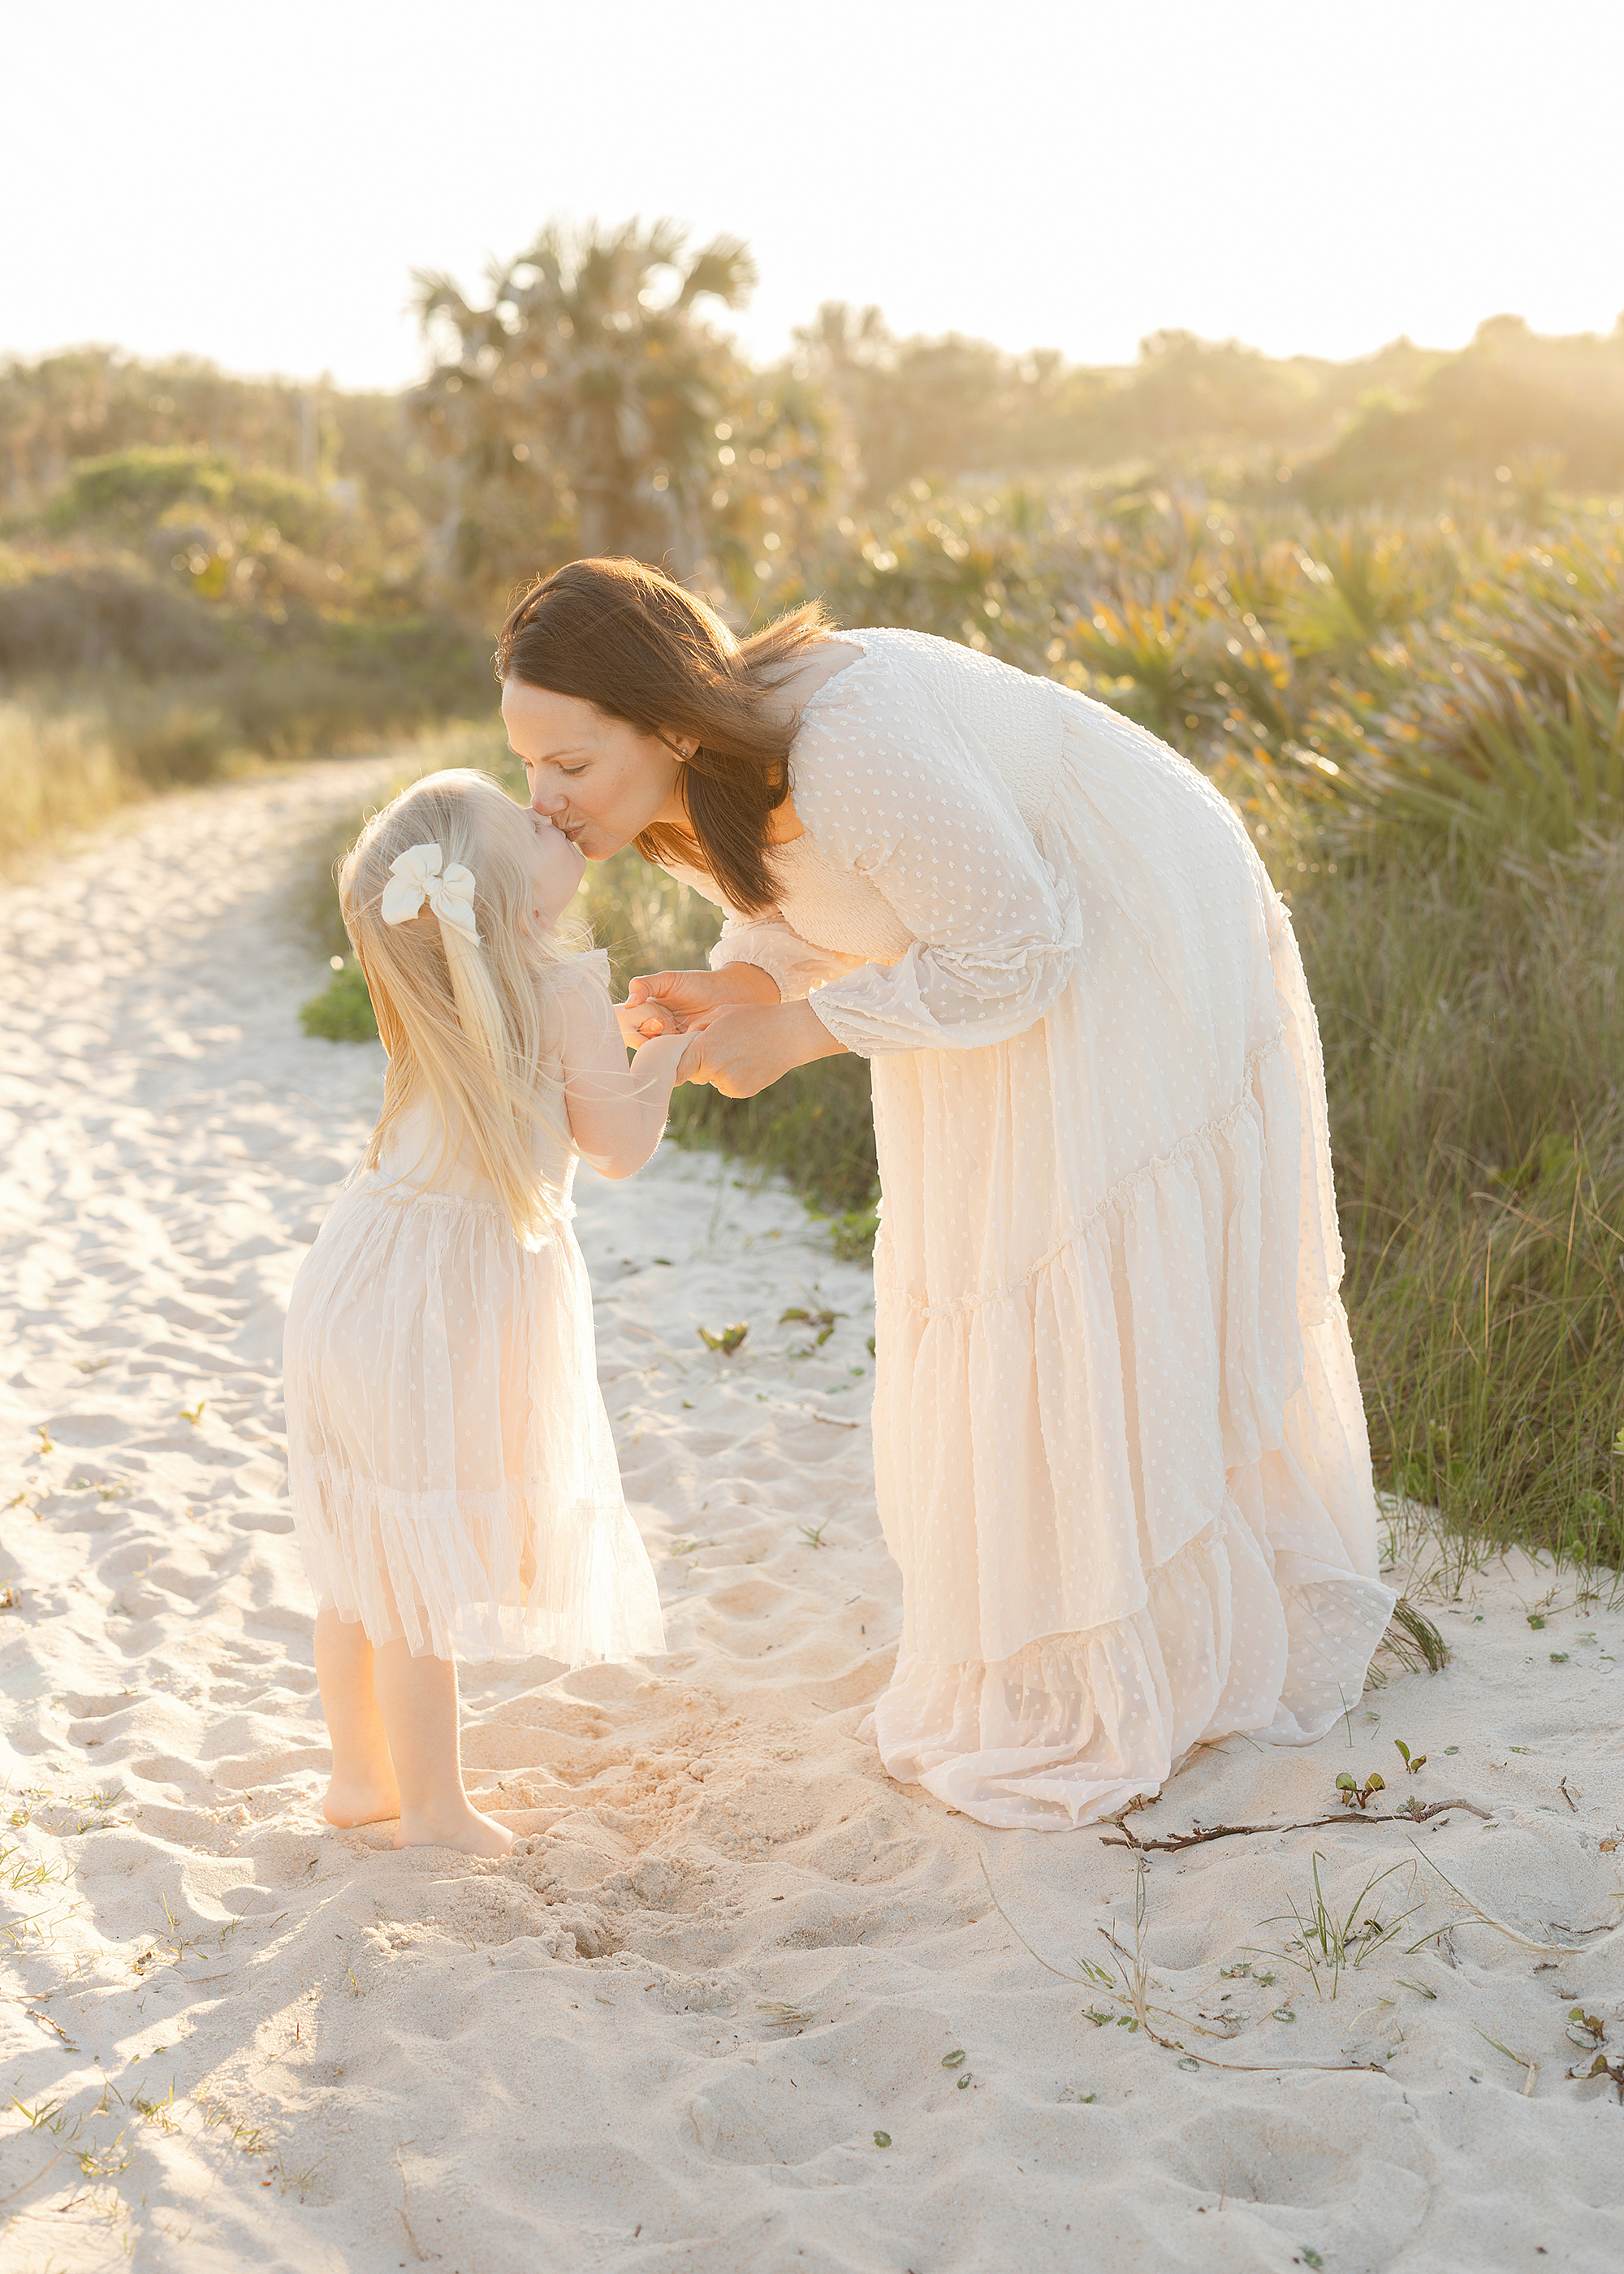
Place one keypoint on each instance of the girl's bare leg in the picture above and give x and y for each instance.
(417, 1699)
(363, 1789)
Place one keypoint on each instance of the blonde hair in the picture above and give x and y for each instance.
(466, 1023)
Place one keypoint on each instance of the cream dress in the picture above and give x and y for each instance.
(1119, 1444)
(451, 1467)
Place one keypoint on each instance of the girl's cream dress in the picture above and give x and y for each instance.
(1119, 1443)
(451, 1467)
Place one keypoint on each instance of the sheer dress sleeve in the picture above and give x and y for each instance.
(793, 964)
(893, 788)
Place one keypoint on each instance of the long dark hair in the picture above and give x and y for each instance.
(631, 641)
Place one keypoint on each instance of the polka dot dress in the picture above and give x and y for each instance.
(1118, 1436)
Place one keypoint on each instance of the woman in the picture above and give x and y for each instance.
(1119, 1445)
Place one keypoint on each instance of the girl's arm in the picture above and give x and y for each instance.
(617, 1112)
(757, 960)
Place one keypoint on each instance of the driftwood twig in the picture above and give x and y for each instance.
(1177, 1839)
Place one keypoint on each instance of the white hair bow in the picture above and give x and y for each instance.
(416, 875)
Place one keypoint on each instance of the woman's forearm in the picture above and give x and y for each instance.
(747, 1046)
(812, 1039)
(747, 982)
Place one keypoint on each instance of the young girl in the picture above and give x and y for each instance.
(452, 1476)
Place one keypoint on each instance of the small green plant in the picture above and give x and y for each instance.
(1354, 1795)
(1414, 1640)
(813, 1533)
(728, 1342)
(1414, 1763)
(247, 2137)
(195, 1414)
(159, 2112)
(1585, 2030)
(44, 2116)
(342, 1012)
(104, 2162)
(1613, 2070)
(1329, 1940)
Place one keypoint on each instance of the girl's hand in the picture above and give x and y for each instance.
(641, 1022)
(667, 1002)
(739, 1051)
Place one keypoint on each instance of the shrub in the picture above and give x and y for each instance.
(83, 619)
(342, 1012)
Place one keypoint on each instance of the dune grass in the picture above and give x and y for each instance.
(58, 770)
(1471, 1013)
(75, 744)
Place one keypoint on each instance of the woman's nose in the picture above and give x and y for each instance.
(548, 806)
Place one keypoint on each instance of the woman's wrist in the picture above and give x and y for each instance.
(752, 983)
(812, 1039)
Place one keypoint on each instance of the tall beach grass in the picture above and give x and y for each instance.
(59, 770)
(1471, 1013)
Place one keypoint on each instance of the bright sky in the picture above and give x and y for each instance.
(256, 184)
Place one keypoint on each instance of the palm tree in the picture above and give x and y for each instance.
(589, 382)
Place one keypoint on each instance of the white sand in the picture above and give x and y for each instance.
(574, 2057)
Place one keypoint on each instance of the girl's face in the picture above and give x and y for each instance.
(556, 867)
(601, 781)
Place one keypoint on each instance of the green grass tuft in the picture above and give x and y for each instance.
(342, 1012)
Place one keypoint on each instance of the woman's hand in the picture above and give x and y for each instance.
(673, 1002)
(739, 1051)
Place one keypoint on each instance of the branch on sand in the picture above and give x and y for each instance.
(1177, 1839)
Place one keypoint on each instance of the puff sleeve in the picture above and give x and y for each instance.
(792, 964)
(898, 791)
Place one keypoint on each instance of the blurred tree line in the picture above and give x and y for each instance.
(1207, 536)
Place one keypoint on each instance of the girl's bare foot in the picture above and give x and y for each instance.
(466, 1830)
(352, 1799)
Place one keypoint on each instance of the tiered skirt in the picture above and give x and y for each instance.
(451, 1465)
(1119, 1441)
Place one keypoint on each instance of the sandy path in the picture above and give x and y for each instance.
(663, 2034)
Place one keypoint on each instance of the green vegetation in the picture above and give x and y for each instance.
(342, 1012)
(1380, 604)
(1475, 1061)
(188, 584)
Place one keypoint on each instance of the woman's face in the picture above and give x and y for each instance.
(601, 781)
